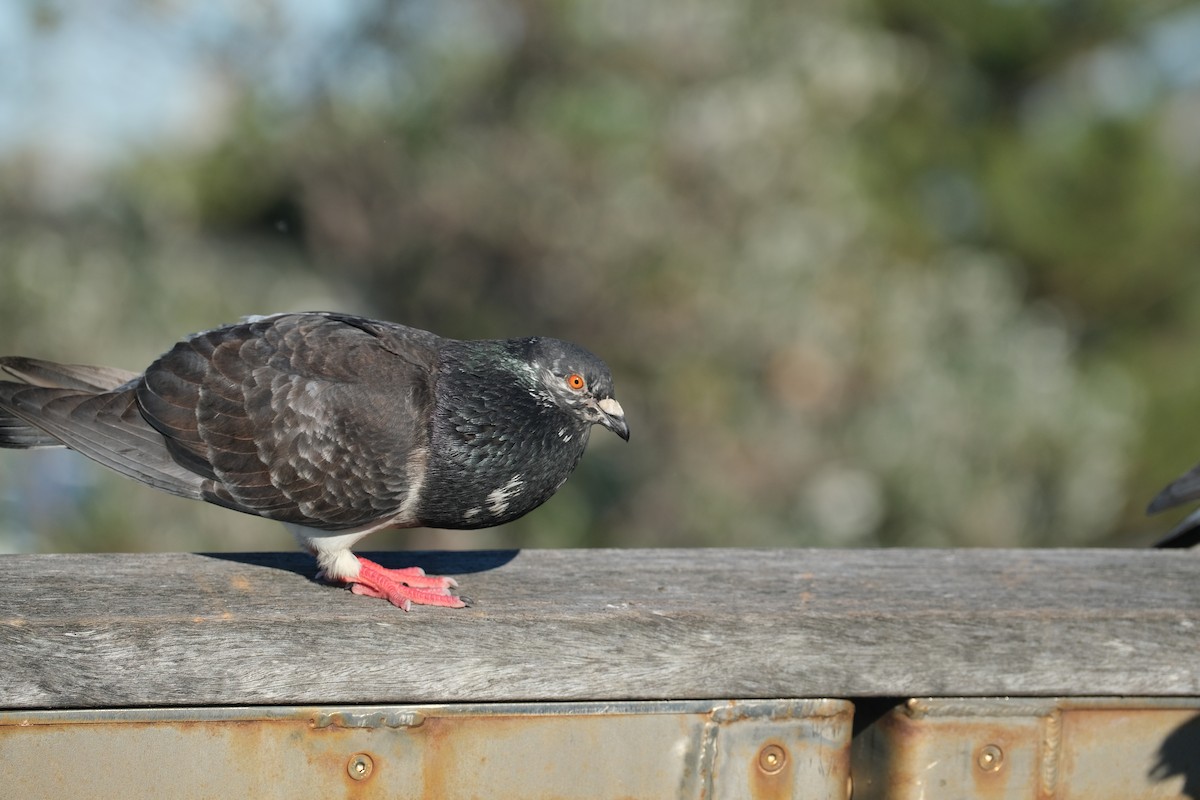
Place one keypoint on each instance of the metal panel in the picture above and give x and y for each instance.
(1051, 749)
(751, 749)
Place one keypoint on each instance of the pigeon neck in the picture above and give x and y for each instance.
(499, 444)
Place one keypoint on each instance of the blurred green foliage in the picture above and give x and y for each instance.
(880, 272)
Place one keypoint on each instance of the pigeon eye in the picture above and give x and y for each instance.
(576, 381)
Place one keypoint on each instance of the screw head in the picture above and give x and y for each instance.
(772, 758)
(991, 758)
(360, 766)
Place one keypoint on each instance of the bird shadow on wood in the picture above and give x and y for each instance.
(1180, 755)
(436, 562)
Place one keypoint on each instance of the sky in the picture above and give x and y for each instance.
(85, 83)
(87, 80)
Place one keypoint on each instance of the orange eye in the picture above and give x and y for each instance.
(576, 381)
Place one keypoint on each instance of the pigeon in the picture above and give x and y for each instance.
(335, 425)
(1181, 490)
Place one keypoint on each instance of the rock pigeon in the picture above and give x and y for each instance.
(335, 425)
(1183, 489)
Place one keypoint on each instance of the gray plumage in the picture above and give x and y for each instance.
(329, 422)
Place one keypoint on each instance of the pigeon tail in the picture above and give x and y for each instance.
(15, 432)
(102, 425)
(81, 377)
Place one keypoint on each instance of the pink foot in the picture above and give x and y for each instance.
(403, 587)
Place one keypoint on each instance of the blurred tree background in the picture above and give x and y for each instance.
(902, 272)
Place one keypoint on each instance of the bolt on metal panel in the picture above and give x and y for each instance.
(702, 749)
(1040, 749)
(760, 752)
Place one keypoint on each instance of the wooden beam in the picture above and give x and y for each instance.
(100, 631)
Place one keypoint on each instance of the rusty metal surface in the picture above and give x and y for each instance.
(1040, 749)
(704, 749)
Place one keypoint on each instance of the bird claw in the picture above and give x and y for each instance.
(404, 587)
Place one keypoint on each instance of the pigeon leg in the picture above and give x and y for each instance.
(403, 587)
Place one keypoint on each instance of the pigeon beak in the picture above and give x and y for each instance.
(612, 416)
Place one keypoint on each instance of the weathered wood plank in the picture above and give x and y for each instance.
(186, 629)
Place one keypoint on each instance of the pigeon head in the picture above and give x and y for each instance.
(578, 382)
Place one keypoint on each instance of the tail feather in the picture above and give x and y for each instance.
(15, 434)
(50, 375)
(19, 434)
(105, 426)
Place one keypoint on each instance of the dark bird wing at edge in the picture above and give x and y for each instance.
(1183, 489)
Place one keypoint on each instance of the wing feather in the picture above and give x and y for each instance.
(101, 427)
(307, 418)
(1181, 490)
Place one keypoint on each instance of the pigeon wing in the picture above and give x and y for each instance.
(1181, 490)
(315, 419)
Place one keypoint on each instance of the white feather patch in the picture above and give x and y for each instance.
(498, 499)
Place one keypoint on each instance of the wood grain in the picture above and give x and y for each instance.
(79, 631)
